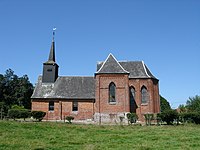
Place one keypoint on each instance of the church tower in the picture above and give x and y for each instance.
(50, 68)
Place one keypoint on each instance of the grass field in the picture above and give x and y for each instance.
(60, 136)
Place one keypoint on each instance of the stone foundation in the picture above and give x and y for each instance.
(111, 118)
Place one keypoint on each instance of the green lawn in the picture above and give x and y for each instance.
(58, 136)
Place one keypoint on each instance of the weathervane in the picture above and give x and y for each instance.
(54, 30)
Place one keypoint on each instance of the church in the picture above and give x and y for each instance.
(115, 89)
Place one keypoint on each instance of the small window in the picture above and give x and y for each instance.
(112, 89)
(144, 94)
(51, 106)
(75, 106)
(49, 70)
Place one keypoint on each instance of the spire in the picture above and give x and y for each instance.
(52, 50)
(50, 68)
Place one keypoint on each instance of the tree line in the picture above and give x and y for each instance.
(188, 113)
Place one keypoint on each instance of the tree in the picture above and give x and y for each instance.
(15, 90)
(1, 86)
(191, 117)
(24, 92)
(2, 105)
(182, 108)
(193, 104)
(168, 116)
(164, 104)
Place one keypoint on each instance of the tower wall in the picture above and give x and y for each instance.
(50, 73)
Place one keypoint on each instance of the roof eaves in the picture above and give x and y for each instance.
(65, 98)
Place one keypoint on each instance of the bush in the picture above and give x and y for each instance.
(25, 113)
(14, 113)
(132, 117)
(69, 119)
(38, 115)
(18, 113)
(196, 117)
(148, 118)
(191, 117)
(169, 116)
(158, 118)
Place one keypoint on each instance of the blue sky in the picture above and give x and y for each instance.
(164, 34)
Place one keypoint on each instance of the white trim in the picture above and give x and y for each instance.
(115, 60)
(103, 63)
(119, 64)
(145, 69)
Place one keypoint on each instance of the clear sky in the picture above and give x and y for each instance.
(164, 34)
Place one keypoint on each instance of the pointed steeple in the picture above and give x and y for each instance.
(50, 68)
(52, 50)
(52, 53)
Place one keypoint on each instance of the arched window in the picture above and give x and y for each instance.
(133, 105)
(144, 94)
(132, 92)
(112, 92)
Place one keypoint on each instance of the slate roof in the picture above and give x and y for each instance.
(83, 88)
(111, 66)
(136, 69)
(66, 87)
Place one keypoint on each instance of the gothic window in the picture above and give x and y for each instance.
(133, 105)
(144, 94)
(75, 106)
(132, 92)
(112, 92)
(51, 106)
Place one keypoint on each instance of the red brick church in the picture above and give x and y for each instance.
(117, 88)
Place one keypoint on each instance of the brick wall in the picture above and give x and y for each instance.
(63, 108)
(105, 111)
(153, 105)
(102, 110)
